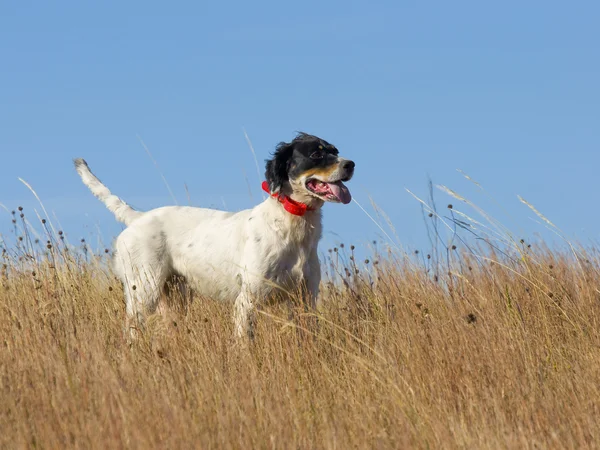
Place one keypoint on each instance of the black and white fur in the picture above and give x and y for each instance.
(243, 257)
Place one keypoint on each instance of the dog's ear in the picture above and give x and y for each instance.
(277, 168)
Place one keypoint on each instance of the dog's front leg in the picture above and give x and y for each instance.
(244, 313)
(313, 280)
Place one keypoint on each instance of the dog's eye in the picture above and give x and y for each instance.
(316, 155)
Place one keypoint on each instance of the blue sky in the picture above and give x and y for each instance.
(506, 91)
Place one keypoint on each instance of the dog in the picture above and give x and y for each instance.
(244, 257)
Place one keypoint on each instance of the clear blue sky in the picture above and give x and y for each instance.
(507, 91)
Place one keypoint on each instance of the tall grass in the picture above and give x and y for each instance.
(482, 343)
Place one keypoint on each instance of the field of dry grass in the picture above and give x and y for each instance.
(493, 347)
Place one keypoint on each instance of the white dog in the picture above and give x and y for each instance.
(242, 257)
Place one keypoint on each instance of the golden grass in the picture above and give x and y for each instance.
(499, 351)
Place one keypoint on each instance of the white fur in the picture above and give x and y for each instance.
(242, 257)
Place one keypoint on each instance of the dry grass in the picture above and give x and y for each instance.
(449, 352)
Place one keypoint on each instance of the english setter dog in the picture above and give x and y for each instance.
(244, 257)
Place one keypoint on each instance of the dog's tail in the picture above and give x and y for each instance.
(122, 211)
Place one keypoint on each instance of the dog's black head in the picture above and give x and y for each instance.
(309, 168)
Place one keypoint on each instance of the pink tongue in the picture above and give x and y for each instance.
(340, 190)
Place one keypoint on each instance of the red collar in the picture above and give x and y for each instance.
(291, 206)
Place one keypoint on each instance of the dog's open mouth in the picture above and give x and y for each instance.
(331, 192)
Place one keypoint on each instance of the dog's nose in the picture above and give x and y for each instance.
(348, 165)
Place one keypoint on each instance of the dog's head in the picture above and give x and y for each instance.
(309, 169)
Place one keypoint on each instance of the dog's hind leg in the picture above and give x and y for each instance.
(177, 296)
(143, 274)
(142, 295)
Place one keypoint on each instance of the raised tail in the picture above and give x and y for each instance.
(122, 211)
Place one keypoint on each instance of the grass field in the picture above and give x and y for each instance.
(490, 347)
